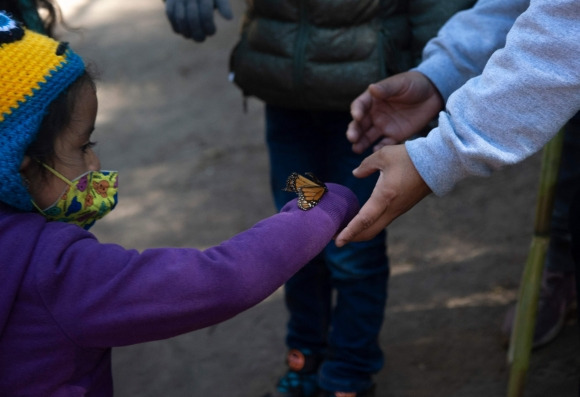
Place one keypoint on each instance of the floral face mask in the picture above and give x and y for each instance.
(85, 200)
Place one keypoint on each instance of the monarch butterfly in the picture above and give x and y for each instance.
(310, 190)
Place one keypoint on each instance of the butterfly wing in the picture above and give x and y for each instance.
(309, 196)
(310, 190)
(313, 179)
(291, 183)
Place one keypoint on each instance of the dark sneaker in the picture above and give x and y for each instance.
(556, 303)
(370, 392)
(301, 380)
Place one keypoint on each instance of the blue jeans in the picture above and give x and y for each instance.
(559, 256)
(343, 329)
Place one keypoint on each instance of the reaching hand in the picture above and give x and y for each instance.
(398, 189)
(392, 109)
(193, 19)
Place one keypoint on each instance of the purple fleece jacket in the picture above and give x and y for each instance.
(66, 299)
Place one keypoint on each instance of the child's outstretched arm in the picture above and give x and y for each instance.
(120, 296)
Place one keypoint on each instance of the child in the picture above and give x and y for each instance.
(65, 298)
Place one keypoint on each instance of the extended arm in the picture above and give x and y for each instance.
(127, 297)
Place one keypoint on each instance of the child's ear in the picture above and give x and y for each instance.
(25, 171)
(25, 163)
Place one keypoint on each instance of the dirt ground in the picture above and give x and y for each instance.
(194, 172)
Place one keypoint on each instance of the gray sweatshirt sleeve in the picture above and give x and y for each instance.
(527, 91)
(465, 43)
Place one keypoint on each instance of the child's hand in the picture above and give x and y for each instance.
(339, 202)
(343, 201)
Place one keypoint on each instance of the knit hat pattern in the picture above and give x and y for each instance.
(35, 70)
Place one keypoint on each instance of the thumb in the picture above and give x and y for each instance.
(382, 90)
(391, 86)
(367, 167)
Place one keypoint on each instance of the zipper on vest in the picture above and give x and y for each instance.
(231, 79)
(381, 46)
(299, 53)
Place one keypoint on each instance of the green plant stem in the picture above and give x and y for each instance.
(527, 306)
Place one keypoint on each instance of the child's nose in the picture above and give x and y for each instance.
(94, 162)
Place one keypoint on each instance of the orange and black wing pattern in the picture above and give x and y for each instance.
(309, 189)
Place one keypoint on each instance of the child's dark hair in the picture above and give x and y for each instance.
(56, 120)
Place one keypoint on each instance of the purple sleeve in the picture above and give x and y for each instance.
(103, 295)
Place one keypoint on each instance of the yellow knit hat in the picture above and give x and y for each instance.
(35, 70)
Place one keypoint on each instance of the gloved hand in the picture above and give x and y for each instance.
(193, 19)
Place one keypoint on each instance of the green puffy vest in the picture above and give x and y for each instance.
(321, 54)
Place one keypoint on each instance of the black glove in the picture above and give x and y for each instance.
(193, 19)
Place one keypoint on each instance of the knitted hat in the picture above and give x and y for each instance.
(35, 69)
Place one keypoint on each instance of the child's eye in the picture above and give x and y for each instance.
(88, 145)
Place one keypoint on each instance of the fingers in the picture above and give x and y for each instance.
(205, 9)
(362, 134)
(398, 188)
(368, 124)
(382, 90)
(206, 14)
(355, 134)
(396, 85)
(223, 6)
(176, 13)
(360, 106)
(368, 166)
(365, 225)
(356, 129)
(194, 19)
(195, 15)
(384, 142)
(365, 141)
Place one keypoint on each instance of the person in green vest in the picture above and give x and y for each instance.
(307, 61)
